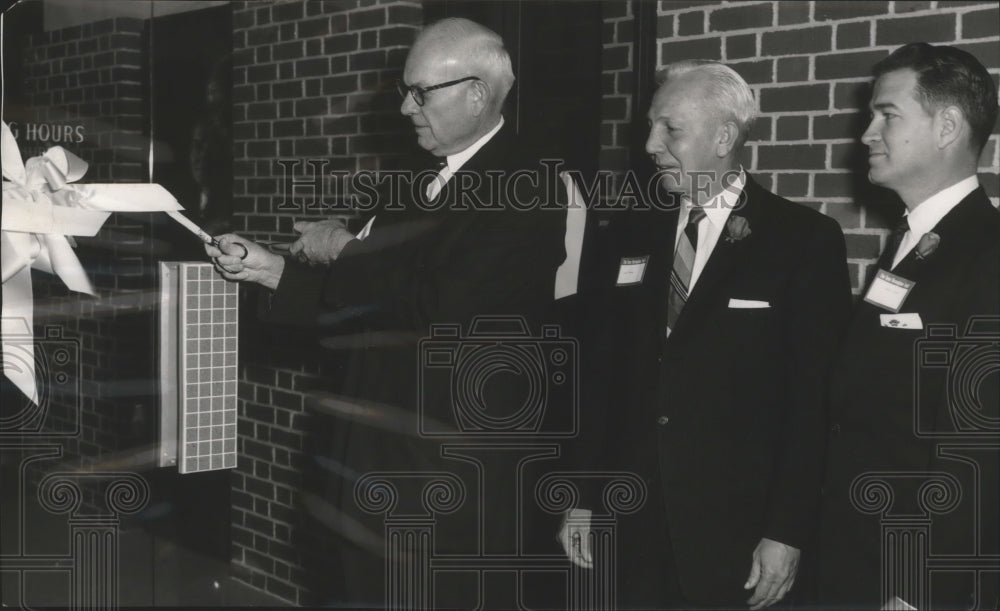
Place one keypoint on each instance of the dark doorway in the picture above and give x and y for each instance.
(190, 92)
(192, 105)
(556, 51)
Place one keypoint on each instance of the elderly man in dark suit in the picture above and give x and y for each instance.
(912, 468)
(709, 370)
(474, 238)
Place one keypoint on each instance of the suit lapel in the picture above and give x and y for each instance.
(959, 231)
(490, 157)
(720, 264)
(964, 232)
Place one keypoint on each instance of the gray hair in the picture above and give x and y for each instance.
(482, 48)
(727, 94)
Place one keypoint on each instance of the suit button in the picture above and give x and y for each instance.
(662, 420)
(835, 428)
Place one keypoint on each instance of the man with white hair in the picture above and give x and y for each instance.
(708, 369)
(473, 50)
(476, 239)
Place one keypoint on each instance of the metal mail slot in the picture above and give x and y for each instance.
(198, 371)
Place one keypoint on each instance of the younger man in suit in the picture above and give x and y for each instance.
(707, 376)
(904, 425)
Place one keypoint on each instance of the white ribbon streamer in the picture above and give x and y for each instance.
(40, 208)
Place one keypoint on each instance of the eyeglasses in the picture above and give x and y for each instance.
(418, 93)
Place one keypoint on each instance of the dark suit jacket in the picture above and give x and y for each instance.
(488, 245)
(726, 418)
(895, 410)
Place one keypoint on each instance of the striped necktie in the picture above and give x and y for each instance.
(680, 275)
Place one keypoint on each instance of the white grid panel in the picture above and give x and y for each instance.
(207, 350)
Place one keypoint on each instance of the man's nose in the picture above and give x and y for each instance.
(653, 144)
(409, 106)
(871, 134)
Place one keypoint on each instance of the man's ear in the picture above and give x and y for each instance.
(479, 95)
(726, 137)
(950, 126)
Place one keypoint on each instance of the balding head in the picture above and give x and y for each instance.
(453, 117)
(467, 49)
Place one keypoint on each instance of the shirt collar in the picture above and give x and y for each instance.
(929, 212)
(456, 161)
(718, 208)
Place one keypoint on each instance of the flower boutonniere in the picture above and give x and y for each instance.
(927, 245)
(737, 228)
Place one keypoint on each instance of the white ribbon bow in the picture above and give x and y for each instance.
(41, 208)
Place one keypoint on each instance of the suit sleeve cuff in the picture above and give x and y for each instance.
(296, 298)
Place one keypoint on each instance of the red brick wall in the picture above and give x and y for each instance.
(809, 65)
(311, 81)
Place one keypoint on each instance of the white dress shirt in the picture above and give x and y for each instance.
(929, 212)
(455, 162)
(710, 228)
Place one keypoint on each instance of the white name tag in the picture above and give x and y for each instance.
(632, 270)
(888, 291)
(910, 320)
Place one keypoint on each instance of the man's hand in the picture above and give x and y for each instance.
(574, 535)
(321, 241)
(772, 572)
(256, 265)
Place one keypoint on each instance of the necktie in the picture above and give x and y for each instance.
(435, 186)
(680, 275)
(895, 239)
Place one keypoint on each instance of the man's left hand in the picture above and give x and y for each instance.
(772, 572)
(321, 241)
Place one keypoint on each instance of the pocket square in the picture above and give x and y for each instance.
(748, 304)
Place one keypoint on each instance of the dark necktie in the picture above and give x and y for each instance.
(895, 239)
(680, 275)
(435, 186)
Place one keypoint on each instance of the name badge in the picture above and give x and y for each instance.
(888, 291)
(631, 270)
(910, 320)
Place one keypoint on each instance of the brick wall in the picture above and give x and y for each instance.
(616, 84)
(85, 91)
(312, 82)
(809, 65)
